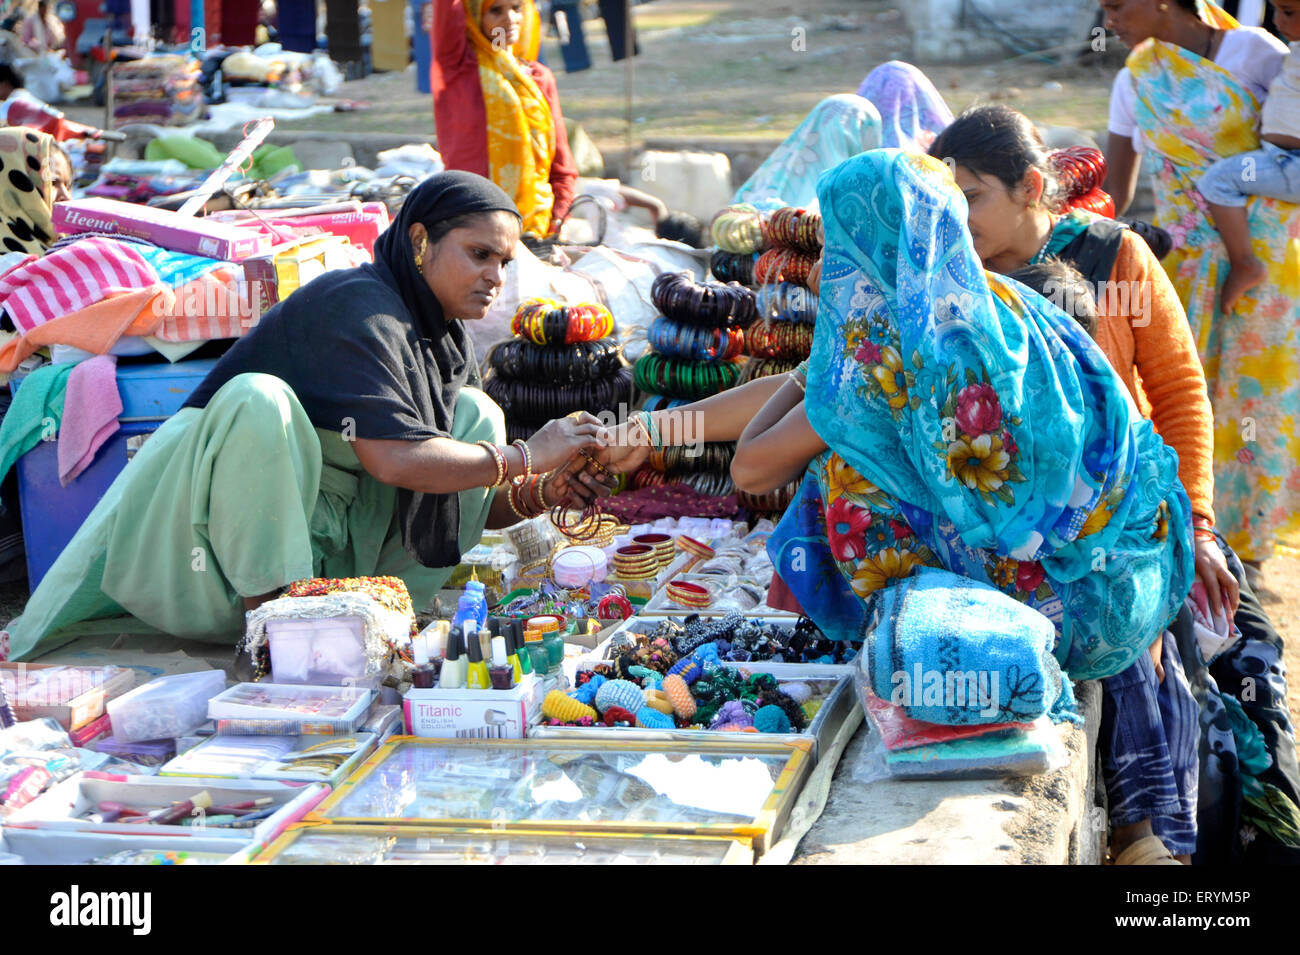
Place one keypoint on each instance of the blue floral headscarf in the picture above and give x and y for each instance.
(974, 426)
(838, 127)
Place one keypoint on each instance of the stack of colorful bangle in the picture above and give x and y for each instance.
(546, 322)
(693, 547)
(788, 340)
(794, 229)
(733, 266)
(564, 358)
(767, 367)
(688, 595)
(774, 503)
(682, 378)
(711, 305)
(787, 302)
(784, 265)
(738, 229)
(636, 562)
(526, 497)
(713, 457)
(680, 340)
(663, 546)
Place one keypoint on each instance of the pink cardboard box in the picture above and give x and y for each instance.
(160, 226)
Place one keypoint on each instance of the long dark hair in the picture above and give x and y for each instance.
(1000, 142)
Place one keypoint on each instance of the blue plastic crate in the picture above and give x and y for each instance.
(52, 513)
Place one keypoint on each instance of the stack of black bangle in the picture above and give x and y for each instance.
(535, 383)
(782, 336)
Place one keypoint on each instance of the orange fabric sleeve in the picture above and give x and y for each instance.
(1169, 369)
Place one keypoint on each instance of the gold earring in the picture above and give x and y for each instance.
(419, 253)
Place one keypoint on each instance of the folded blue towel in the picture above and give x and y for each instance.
(955, 651)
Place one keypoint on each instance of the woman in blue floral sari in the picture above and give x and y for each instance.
(953, 420)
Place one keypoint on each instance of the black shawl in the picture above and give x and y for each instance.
(368, 352)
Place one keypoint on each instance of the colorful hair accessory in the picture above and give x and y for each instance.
(658, 699)
(771, 719)
(649, 718)
(799, 692)
(623, 693)
(616, 714)
(586, 693)
(560, 706)
(679, 694)
(645, 674)
(707, 655)
(734, 713)
(687, 669)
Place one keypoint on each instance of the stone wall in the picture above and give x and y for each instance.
(955, 31)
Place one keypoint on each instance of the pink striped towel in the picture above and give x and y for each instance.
(68, 279)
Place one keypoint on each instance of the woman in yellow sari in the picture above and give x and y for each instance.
(498, 110)
(1190, 95)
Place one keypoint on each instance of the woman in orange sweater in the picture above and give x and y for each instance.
(1001, 165)
(497, 110)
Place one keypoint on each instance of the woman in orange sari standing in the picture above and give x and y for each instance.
(497, 110)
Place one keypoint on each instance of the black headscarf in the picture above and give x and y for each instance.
(370, 349)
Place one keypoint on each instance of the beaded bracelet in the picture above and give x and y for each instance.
(683, 299)
(678, 340)
(498, 458)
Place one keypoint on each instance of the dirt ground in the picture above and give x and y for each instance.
(721, 68)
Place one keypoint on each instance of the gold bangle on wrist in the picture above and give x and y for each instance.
(528, 460)
(498, 458)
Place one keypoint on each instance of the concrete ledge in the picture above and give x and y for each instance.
(1049, 819)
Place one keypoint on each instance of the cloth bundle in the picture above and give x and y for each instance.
(954, 651)
(163, 90)
(90, 292)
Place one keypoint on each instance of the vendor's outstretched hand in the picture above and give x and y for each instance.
(557, 441)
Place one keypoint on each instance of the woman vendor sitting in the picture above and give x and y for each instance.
(344, 436)
(497, 110)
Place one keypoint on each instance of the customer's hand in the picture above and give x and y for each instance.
(557, 441)
(1156, 650)
(1221, 587)
(625, 450)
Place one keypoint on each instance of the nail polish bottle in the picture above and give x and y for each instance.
(425, 675)
(513, 655)
(476, 676)
(501, 673)
(454, 664)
